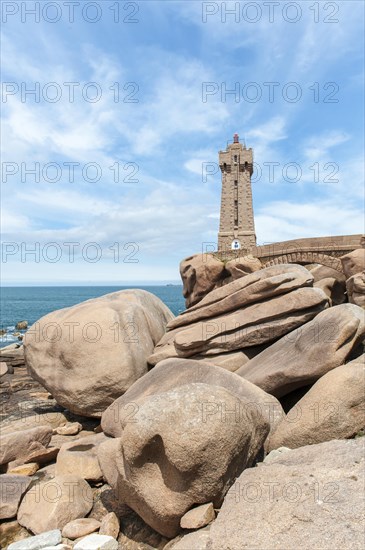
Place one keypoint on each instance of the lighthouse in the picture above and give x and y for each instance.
(236, 228)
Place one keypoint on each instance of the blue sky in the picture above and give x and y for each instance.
(140, 130)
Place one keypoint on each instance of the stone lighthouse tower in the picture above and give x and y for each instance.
(237, 228)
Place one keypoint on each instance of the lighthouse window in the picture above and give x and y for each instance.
(235, 183)
(235, 158)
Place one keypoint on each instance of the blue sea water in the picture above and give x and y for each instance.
(31, 303)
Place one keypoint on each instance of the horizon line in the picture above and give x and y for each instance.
(134, 284)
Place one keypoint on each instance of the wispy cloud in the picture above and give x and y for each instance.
(167, 135)
(279, 221)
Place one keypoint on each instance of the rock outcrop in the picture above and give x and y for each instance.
(197, 539)
(331, 281)
(320, 272)
(21, 325)
(4, 369)
(334, 408)
(355, 287)
(173, 373)
(53, 503)
(18, 445)
(239, 267)
(311, 497)
(51, 419)
(353, 263)
(12, 488)
(307, 353)
(13, 355)
(250, 311)
(200, 274)
(79, 457)
(183, 439)
(167, 463)
(90, 354)
(335, 291)
(230, 361)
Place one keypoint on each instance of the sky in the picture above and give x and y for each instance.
(113, 114)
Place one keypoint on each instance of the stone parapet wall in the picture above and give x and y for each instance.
(325, 250)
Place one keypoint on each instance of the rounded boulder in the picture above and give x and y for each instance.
(90, 354)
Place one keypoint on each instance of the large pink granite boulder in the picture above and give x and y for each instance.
(240, 267)
(309, 352)
(354, 262)
(89, 354)
(173, 373)
(248, 312)
(333, 408)
(355, 286)
(175, 453)
(200, 274)
(310, 497)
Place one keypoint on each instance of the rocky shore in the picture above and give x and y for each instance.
(15, 333)
(237, 424)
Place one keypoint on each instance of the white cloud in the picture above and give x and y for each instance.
(204, 164)
(317, 148)
(11, 222)
(170, 132)
(283, 220)
(163, 219)
(265, 137)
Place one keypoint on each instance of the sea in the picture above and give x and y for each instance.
(31, 303)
